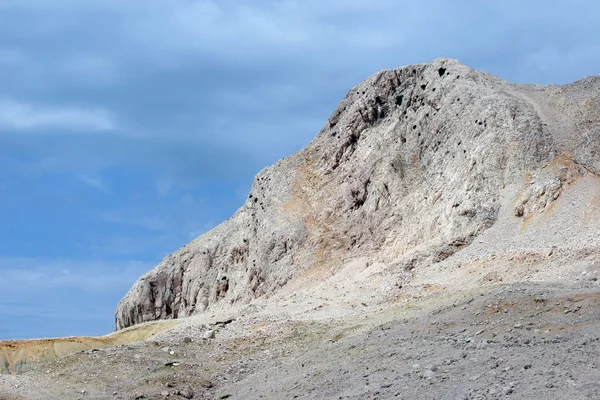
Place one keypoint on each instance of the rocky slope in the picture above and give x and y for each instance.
(519, 341)
(413, 165)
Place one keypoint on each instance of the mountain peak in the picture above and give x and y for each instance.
(413, 165)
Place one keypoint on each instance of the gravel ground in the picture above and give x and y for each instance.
(522, 341)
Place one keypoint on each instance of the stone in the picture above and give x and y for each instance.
(206, 384)
(482, 345)
(433, 368)
(186, 393)
(428, 374)
(210, 334)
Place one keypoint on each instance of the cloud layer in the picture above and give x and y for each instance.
(19, 117)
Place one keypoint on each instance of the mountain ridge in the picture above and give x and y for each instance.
(407, 171)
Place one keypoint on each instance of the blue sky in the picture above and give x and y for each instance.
(127, 128)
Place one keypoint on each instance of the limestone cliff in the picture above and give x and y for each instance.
(409, 168)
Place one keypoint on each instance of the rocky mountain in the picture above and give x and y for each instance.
(438, 239)
(412, 167)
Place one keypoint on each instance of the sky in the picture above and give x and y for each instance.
(128, 128)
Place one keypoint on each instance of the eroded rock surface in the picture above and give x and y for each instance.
(409, 169)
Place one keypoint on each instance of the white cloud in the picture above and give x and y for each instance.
(131, 245)
(153, 223)
(232, 29)
(187, 200)
(91, 69)
(163, 187)
(22, 117)
(10, 57)
(95, 183)
(249, 32)
(201, 229)
(341, 31)
(23, 273)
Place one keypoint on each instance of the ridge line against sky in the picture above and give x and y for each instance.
(128, 128)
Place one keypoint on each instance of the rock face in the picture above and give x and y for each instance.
(412, 165)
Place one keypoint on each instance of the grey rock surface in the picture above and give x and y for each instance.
(512, 340)
(413, 165)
